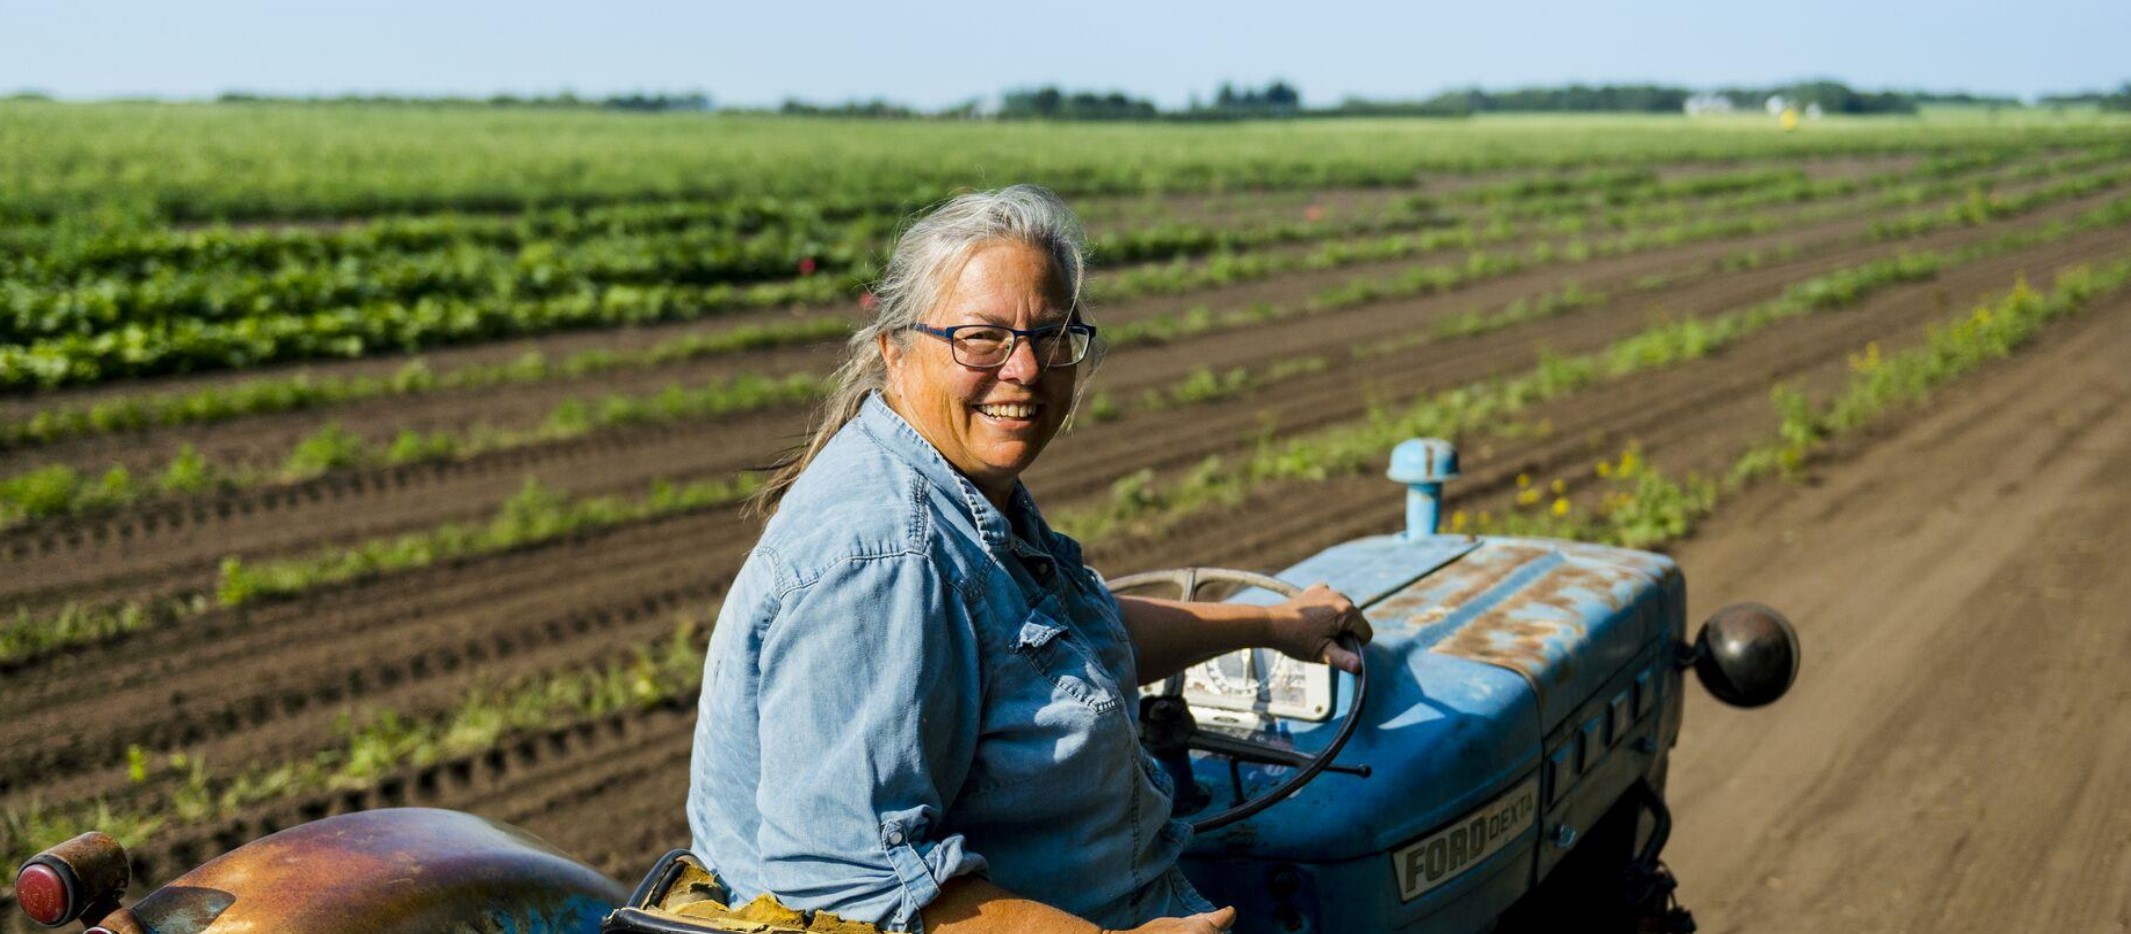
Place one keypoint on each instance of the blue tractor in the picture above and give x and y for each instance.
(1499, 765)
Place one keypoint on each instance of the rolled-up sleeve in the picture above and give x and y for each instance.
(870, 707)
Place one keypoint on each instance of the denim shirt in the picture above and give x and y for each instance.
(907, 685)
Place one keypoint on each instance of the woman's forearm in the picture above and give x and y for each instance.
(1172, 636)
(973, 905)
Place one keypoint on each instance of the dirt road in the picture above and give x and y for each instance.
(1956, 755)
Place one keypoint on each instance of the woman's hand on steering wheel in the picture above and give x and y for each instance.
(1308, 625)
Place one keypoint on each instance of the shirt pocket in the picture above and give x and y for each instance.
(1065, 661)
(1052, 714)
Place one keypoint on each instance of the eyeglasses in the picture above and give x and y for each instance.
(988, 346)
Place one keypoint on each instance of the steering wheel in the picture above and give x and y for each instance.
(1169, 731)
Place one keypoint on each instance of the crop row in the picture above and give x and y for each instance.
(92, 333)
(47, 255)
(60, 490)
(58, 305)
(1427, 280)
(533, 516)
(178, 790)
(175, 319)
(154, 300)
(57, 490)
(1142, 505)
(305, 391)
(1637, 506)
(268, 395)
(780, 236)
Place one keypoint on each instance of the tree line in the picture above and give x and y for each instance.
(566, 100)
(1276, 99)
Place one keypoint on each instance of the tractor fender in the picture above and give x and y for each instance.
(396, 870)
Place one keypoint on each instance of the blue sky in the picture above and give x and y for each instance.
(940, 53)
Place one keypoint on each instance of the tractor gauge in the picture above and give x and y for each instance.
(1243, 688)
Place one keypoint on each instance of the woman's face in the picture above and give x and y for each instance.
(990, 424)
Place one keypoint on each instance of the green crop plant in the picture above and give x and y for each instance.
(270, 395)
(59, 490)
(1881, 383)
(533, 516)
(329, 448)
(30, 828)
(1204, 385)
(27, 636)
(188, 473)
(1630, 504)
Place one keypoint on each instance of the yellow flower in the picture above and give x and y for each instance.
(1605, 469)
(1559, 486)
(1457, 521)
(1527, 497)
(1524, 480)
(1868, 361)
(1561, 506)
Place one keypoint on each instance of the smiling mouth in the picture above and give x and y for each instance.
(1011, 411)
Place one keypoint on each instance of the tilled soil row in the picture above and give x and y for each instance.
(1956, 579)
(440, 631)
(178, 545)
(109, 554)
(1345, 391)
(1738, 407)
(1691, 416)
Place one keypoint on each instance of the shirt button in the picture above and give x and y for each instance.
(895, 838)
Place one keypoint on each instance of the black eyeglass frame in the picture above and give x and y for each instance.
(1013, 341)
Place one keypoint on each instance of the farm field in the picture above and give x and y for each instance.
(418, 481)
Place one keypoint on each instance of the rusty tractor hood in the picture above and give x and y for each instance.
(1491, 656)
(1564, 616)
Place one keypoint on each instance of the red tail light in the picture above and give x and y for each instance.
(45, 894)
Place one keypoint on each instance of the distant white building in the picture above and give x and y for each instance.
(1813, 111)
(1699, 104)
(1776, 105)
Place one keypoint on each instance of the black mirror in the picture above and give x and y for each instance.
(1747, 655)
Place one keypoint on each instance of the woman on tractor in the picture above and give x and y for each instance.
(919, 706)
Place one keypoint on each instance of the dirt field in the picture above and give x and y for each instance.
(1951, 759)
(1956, 755)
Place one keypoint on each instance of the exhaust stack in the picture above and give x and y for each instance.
(1423, 465)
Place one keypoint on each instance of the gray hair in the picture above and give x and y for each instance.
(928, 254)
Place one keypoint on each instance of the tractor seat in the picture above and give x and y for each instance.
(682, 896)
